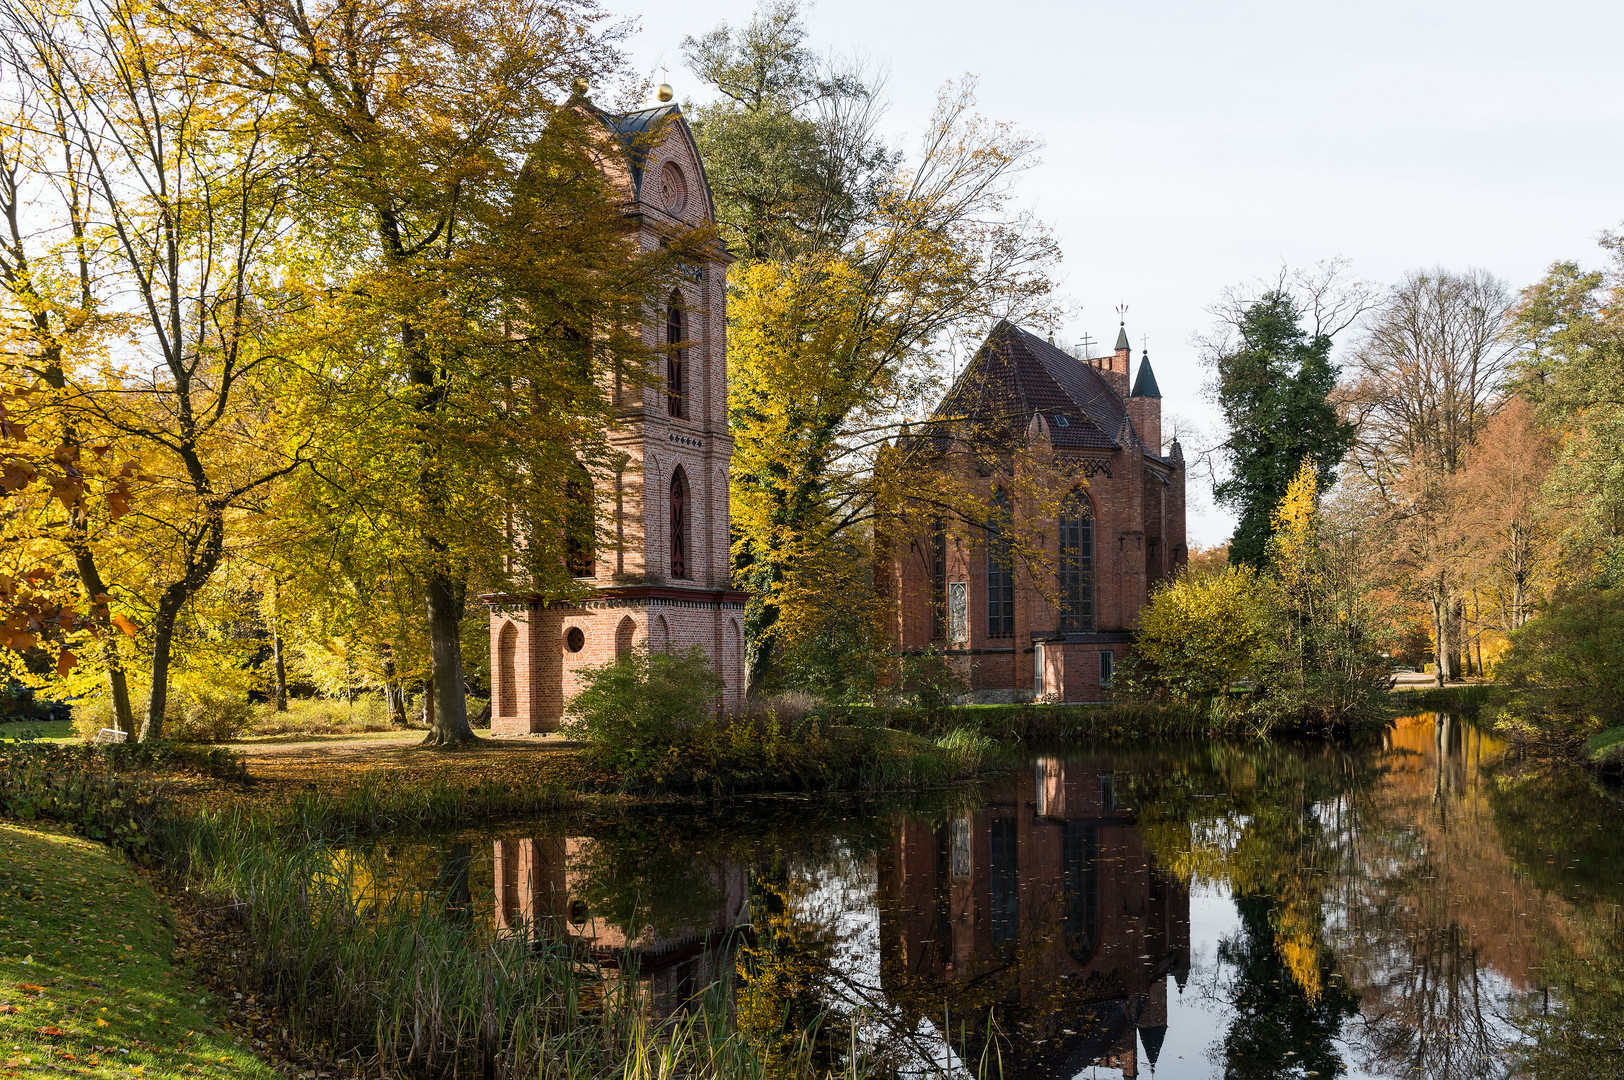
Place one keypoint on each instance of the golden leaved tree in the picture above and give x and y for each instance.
(145, 198)
(470, 282)
(831, 351)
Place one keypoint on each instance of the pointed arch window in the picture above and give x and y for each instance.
(938, 580)
(1000, 572)
(1076, 568)
(676, 387)
(681, 565)
(579, 522)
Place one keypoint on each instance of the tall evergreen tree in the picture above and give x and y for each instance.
(1274, 387)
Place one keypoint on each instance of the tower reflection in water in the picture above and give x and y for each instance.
(1041, 917)
(1037, 926)
(539, 893)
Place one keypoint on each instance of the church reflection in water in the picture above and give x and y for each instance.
(1037, 926)
(1040, 916)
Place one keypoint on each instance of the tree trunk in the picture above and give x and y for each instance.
(394, 694)
(1457, 636)
(279, 691)
(163, 633)
(1440, 630)
(118, 690)
(759, 619)
(450, 724)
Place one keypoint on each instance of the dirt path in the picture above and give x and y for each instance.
(347, 758)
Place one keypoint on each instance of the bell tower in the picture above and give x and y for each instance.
(666, 583)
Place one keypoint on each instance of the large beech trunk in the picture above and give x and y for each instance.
(449, 726)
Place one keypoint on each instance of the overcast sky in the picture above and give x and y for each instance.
(1193, 146)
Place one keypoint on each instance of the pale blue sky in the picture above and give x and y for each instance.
(1192, 146)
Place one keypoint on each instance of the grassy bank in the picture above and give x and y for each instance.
(1468, 699)
(1003, 724)
(88, 986)
(397, 984)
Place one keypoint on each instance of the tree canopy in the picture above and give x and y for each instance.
(1274, 383)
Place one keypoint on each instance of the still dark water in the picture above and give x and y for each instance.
(1422, 907)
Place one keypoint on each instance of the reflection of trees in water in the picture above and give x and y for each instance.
(1433, 926)
(1402, 871)
(813, 968)
(1561, 828)
(786, 977)
(1279, 1029)
(1385, 871)
(451, 882)
(1434, 1015)
(644, 879)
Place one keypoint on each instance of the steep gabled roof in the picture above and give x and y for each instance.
(1015, 374)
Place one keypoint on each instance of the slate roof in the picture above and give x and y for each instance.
(1145, 384)
(636, 133)
(1015, 374)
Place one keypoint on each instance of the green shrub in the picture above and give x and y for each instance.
(322, 716)
(19, 702)
(931, 679)
(647, 718)
(1003, 724)
(1467, 699)
(114, 793)
(631, 712)
(193, 713)
(1197, 636)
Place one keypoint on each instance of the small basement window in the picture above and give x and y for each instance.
(1107, 665)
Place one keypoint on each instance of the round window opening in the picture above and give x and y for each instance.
(673, 188)
(574, 640)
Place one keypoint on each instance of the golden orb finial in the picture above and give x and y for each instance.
(665, 93)
(579, 85)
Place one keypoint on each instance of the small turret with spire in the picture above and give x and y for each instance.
(1114, 366)
(1145, 406)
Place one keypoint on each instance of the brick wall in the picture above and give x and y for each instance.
(1139, 538)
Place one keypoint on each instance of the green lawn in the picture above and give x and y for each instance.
(86, 983)
(1607, 747)
(59, 731)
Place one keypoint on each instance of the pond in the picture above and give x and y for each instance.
(1422, 906)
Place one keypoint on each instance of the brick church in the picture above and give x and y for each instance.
(666, 581)
(1119, 529)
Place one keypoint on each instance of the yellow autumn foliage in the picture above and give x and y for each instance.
(1199, 635)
